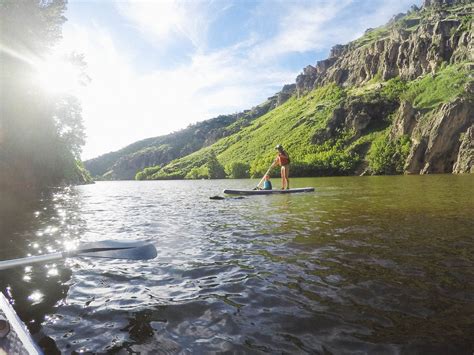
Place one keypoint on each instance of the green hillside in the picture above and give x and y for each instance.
(299, 122)
(301, 126)
(159, 151)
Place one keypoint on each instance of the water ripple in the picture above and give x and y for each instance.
(368, 265)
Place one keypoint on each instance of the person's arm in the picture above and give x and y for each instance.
(275, 162)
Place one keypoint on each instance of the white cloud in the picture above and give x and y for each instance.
(316, 25)
(122, 104)
(303, 28)
(163, 20)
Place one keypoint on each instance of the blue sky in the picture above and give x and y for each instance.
(157, 66)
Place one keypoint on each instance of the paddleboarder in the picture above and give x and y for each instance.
(283, 159)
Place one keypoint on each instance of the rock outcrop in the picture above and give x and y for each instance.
(465, 160)
(359, 115)
(407, 47)
(436, 3)
(279, 98)
(285, 94)
(437, 141)
(405, 120)
(305, 81)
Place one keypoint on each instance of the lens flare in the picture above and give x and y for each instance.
(56, 75)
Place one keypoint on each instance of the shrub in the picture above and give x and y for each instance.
(394, 88)
(214, 168)
(237, 170)
(332, 162)
(166, 176)
(140, 176)
(198, 173)
(432, 90)
(388, 157)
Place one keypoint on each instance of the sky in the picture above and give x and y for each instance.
(157, 66)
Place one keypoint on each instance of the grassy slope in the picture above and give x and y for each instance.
(293, 124)
(431, 90)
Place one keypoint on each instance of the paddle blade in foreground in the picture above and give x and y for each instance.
(117, 250)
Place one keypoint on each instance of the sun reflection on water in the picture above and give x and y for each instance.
(36, 297)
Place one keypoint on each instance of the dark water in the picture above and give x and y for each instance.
(365, 264)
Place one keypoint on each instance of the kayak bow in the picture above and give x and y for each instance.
(16, 340)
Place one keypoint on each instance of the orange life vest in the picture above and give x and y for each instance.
(283, 159)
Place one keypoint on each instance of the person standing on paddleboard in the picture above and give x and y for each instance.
(283, 159)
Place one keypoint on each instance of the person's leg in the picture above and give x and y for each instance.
(287, 174)
(284, 177)
(282, 173)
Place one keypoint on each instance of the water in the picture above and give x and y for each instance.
(367, 264)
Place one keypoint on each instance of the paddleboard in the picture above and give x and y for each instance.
(267, 192)
(14, 336)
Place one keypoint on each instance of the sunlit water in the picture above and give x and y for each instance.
(368, 264)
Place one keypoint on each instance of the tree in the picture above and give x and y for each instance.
(237, 170)
(215, 169)
(201, 172)
(41, 136)
(69, 125)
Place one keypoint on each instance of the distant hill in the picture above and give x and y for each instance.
(400, 99)
(158, 151)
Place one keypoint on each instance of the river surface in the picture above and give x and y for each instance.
(381, 265)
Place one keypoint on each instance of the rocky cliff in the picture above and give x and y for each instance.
(410, 46)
